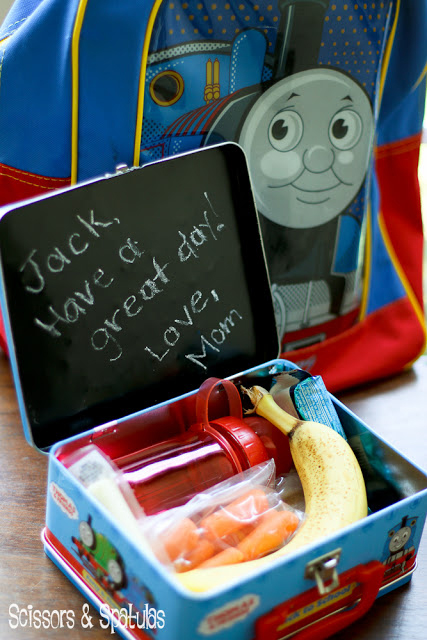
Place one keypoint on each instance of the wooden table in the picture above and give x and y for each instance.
(395, 408)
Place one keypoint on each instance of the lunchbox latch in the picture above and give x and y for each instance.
(121, 168)
(118, 169)
(324, 570)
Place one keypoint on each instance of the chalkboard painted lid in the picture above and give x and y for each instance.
(129, 290)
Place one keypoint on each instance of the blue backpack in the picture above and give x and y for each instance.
(325, 97)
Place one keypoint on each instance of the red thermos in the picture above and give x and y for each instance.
(169, 473)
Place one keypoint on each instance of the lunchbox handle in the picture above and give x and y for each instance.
(369, 577)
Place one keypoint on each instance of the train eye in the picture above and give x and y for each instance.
(87, 535)
(345, 129)
(166, 88)
(285, 131)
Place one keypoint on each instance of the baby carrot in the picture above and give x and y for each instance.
(231, 555)
(201, 552)
(243, 510)
(274, 529)
(233, 539)
(183, 537)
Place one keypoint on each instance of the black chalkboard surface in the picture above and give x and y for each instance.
(132, 289)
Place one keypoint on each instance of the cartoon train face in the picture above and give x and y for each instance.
(307, 137)
(399, 538)
(307, 131)
(101, 556)
(399, 550)
(308, 140)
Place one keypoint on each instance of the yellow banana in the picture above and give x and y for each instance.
(333, 485)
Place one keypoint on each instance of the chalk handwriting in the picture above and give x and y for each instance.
(130, 251)
(39, 283)
(201, 233)
(107, 333)
(34, 267)
(216, 337)
(93, 225)
(131, 306)
(71, 310)
(171, 335)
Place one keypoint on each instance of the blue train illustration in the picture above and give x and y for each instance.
(100, 557)
(399, 554)
(260, 75)
(121, 589)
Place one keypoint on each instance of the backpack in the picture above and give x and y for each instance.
(326, 97)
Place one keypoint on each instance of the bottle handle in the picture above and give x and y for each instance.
(204, 396)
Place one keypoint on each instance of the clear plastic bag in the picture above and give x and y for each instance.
(240, 519)
(104, 482)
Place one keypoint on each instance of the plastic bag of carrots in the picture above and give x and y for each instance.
(241, 519)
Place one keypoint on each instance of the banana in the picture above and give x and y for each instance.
(333, 485)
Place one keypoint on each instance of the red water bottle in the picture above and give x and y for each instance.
(169, 473)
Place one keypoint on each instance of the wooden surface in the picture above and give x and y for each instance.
(395, 408)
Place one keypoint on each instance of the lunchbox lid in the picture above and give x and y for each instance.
(129, 290)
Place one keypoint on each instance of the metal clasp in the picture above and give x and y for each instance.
(121, 168)
(324, 571)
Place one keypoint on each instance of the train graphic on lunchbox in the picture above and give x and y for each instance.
(305, 116)
(103, 570)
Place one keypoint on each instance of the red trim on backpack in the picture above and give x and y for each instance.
(16, 184)
(379, 346)
(397, 173)
(389, 339)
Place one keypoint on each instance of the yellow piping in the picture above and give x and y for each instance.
(368, 248)
(419, 312)
(141, 88)
(75, 88)
(388, 49)
(420, 79)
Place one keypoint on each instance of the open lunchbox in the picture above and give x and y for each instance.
(121, 298)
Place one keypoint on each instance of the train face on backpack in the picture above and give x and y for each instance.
(298, 86)
(307, 130)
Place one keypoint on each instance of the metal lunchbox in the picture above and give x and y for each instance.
(121, 296)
